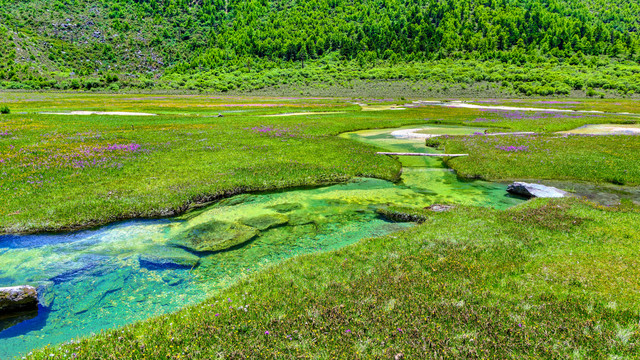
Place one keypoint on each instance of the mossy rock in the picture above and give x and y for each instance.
(301, 219)
(267, 221)
(214, 236)
(286, 207)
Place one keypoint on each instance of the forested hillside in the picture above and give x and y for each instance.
(530, 46)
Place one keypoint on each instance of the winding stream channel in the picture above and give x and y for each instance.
(130, 271)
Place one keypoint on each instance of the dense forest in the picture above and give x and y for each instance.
(531, 46)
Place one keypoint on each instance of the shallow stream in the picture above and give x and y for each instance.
(130, 271)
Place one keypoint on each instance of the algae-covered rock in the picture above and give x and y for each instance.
(286, 207)
(18, 298)
(267, 221)
(214, 236)
(168, 258)
(301, 218)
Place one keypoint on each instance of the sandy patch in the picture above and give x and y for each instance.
(461, 104)
(367, 107)
(305, 113)
(85, 113)
(411, 134)
(458, 104)
(605, 129)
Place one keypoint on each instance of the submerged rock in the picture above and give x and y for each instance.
(102, 285)
(45, 293)
(168, 258)
(535, 190)
(286, 207)
(214, 236)
(400, 216)
(172, 280)
(268, 221)
(301, 219)
(18, 299)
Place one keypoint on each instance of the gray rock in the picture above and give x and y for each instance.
(214, 236)
(18, 299)
(535, 190)
(440, 208)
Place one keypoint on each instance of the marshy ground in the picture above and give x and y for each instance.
(540, 279)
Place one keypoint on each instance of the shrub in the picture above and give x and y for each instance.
(4, 109)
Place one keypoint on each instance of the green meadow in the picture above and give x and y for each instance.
(542, 279)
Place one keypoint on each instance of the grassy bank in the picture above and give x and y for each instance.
(550, 279)
(604, 159)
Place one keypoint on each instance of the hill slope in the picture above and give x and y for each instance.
(208, 44)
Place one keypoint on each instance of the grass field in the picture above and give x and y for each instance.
(605, 159)
(546, 279)
(550, 279)
(81, 171)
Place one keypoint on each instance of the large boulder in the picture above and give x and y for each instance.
(535, 190)
(214, 236)
(18, 299)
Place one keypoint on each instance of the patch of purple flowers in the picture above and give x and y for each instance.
(271, 131)
(512, 148)
(126, 147)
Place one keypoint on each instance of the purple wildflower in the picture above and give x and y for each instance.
(512, 148)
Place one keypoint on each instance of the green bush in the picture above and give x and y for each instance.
(4, 109)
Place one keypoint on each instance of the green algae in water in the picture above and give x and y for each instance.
(134, 270)
(131, 271)
(429, 177)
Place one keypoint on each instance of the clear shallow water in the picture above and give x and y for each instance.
(133, 270)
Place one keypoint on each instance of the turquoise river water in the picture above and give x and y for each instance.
(129, 271)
